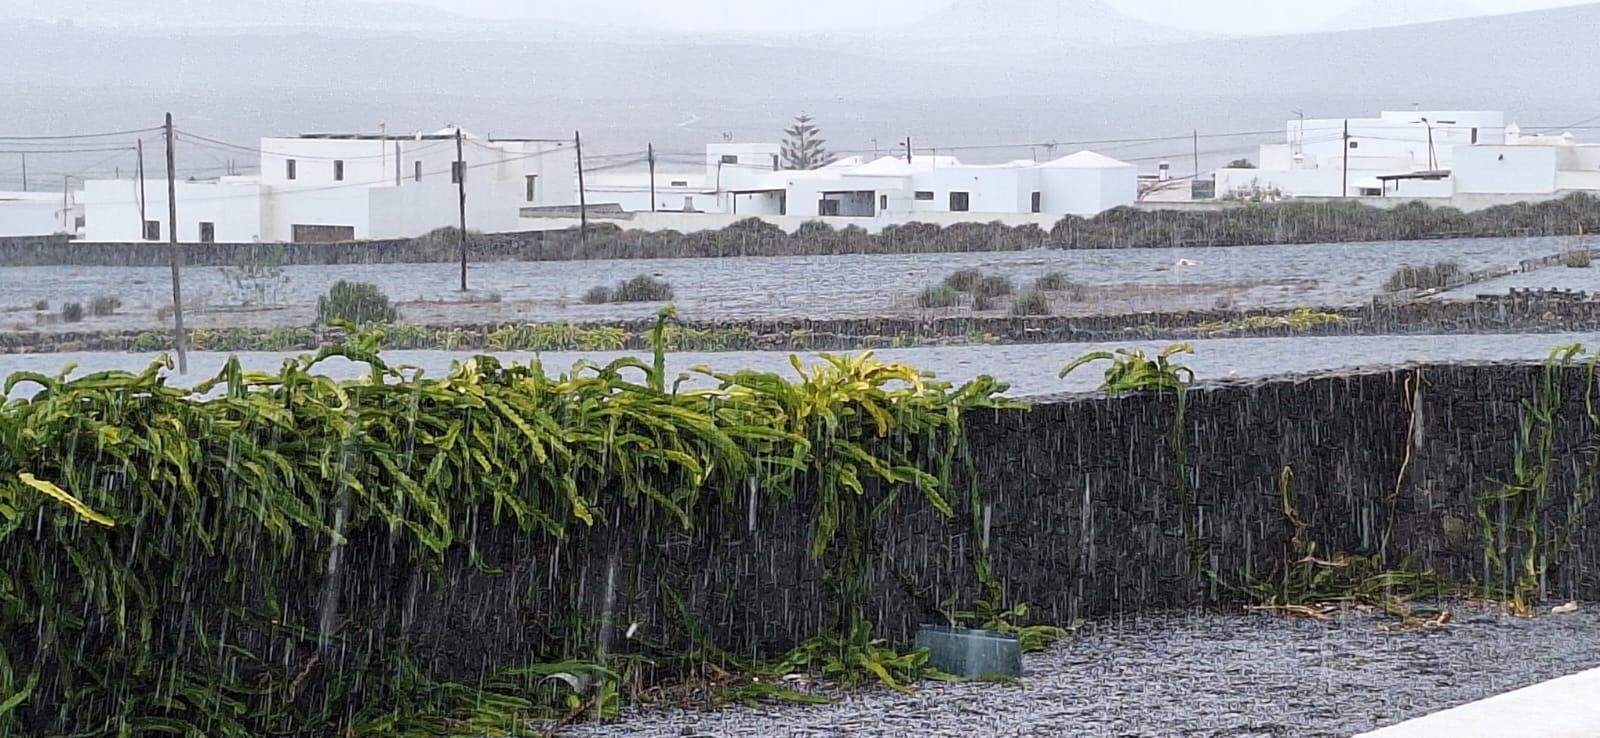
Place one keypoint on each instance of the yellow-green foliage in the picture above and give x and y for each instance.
(162, 546)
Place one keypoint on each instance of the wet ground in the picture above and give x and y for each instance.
(1119, 281)
(1192, 675)
(1030, 368)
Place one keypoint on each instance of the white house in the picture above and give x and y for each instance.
(335, 187)
(40, 213)
(1544, 165)
(745, 180)
(1397, 153)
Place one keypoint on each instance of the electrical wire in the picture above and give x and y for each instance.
(68, 137)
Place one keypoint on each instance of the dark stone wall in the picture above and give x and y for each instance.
(1084, 519)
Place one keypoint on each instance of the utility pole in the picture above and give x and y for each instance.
(141, 189)
(461, 190)
(908, 149)
(583, 199)
(650, 153)
(1197, 153)
(66, 205)
(1344, 182)
(24, 172)
(397, 163)
(180, 339)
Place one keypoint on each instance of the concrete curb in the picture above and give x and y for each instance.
(1560, 708)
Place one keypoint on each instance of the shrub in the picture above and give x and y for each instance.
(72, 312)
(1030, 302)
(939, 296)
(963, 280)
(597, 295)
(357, 302)
(992, 286)
(104, 305)
(1576, 259)
(41, 305)
(1052, 282)
(983, 303)
(1423, 277)
(643, 288)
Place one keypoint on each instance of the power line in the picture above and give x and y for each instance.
(67, 137)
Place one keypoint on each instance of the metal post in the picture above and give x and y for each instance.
(179, 338)
(461, 190)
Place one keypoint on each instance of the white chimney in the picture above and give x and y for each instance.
(1164, 170)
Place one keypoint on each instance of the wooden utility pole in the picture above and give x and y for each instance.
(179, 338)
(908, 149)
(461, 190)
(1197, 153)
(1344, 182)
(583, 198)
(397, 163)
(650, 153)
(66, 204)
(24, 171)
(141, 189)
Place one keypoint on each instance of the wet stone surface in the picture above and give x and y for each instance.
(1203, 674)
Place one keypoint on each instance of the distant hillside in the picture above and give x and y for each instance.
(1388, 13)
(1062, 22)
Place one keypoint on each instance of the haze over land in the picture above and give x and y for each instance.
(967, 73)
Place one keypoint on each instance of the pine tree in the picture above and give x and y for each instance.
(803, 149)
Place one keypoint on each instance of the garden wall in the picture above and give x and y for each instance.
(1083, 519)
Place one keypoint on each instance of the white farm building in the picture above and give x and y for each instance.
(338, 187)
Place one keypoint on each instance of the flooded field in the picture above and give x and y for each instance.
(1198, 675)
(1030, 368)
(1117, 281)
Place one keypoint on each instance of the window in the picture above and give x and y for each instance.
(1038, 203)
(417, 171)
(288, 170)
(208, 232)
(774, 162)
(730, 159)
(959, 201)
(1474, 135)
(1355, 144)
(828, 207)
(152, 230)
(532, 182)
(883, 203)
(924, 195)
(680, 183)
(457, 169)
(338, 171)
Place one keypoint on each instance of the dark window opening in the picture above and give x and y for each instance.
(1474, 135)
(680, 183)
(208, 233)
(883, 203)
(774, 162)
(417, 175)
(289, 169)
(152, 230)
(828, 207)
(338, 171)
(730, 159)
(532, 181)
(959, 202)
(924, 195)
(1355, 144)
(1038, 202)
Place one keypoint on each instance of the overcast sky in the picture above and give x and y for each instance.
(1236, 16)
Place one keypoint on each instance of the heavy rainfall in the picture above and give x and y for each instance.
(774, 374)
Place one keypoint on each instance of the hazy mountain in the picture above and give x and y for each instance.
(1063, 22)
(1388, 13)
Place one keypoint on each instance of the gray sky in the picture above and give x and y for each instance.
(1236, 16)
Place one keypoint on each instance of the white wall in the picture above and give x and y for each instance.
(1505, 170)
(111, 210)
(33, 214)
(282, 208)
(1088, 190)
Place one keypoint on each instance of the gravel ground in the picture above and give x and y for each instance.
(1120, 281)
(1192, 675)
